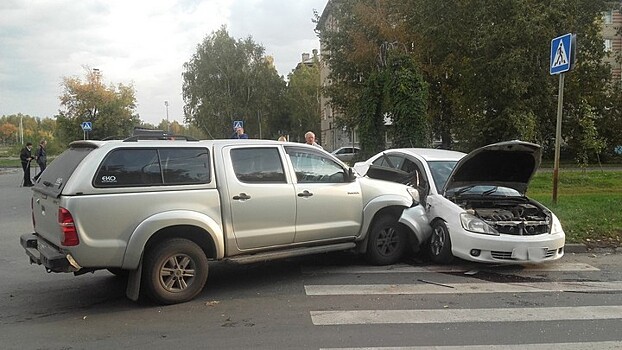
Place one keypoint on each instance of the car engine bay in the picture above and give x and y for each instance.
(513, 217)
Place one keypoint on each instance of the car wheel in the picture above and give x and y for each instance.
(175, 271)
(386, 242)
(440, 243)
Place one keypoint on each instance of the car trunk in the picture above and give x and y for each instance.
(47, 191)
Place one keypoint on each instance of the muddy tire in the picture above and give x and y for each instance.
(439, 246)
(386, 243)
(174, 271)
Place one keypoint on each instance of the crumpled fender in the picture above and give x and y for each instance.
(416, 219)
(375, 205)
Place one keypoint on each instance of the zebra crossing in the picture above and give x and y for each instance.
(429, 283)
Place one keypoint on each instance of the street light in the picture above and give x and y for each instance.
(168, 126)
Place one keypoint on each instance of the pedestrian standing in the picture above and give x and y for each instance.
(239, 134)
(310, 139)
(25, 155)
(41, 157)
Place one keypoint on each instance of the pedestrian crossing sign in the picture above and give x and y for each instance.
(238, 124)
(87, 126)
(562, 53)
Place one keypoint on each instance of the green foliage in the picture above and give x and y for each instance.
(303, 102)
(228, 80)
(486, 64)
(588, 203)
(110, 109)
(406, 96)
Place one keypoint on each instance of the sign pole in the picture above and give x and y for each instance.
(558, 136)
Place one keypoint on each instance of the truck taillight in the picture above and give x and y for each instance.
(70, 234)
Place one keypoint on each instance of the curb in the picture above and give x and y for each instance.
(582, 248)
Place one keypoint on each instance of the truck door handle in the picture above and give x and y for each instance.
(305, 193)
(241, 196)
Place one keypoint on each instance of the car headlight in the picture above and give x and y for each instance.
(556, 225)
(472, 223)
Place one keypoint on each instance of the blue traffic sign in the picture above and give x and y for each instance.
(561, 54)
(238, 124)
(87, 126)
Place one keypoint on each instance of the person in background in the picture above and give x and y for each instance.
(282, 138)
(25, 155)
(239, 134)
(310, 139)
(41, 157)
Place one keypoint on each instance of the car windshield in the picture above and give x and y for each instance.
(485, 190)
(440, 172)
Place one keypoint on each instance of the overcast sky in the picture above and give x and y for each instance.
(142, 42)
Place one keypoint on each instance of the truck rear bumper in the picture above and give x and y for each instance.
(44, 253)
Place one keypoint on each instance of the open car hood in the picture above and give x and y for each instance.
(508, 164)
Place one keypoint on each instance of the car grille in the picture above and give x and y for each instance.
(508, 255)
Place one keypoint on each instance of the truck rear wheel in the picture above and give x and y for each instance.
(386, 243)
(175, 271)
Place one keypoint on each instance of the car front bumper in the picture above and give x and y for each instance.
(507, 249)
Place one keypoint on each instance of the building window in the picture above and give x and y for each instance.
(608, 45)
(608, 17)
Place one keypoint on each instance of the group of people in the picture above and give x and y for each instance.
(27, 157)
(309, 137)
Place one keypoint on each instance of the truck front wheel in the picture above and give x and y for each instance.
(175, 271)
(386, 243)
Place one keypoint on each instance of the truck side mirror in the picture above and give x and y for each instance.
(351, 175)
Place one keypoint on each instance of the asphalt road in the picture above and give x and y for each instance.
(320, 302)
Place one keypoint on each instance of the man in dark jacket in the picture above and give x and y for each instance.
(41, 157)
(26, 156)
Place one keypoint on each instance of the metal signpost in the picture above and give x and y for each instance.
(562, 60)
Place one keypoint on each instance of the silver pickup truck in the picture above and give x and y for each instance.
(159, 211)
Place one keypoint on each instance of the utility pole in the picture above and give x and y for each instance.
(168, 126)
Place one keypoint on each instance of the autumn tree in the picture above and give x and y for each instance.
(110, 109)
(228, 80)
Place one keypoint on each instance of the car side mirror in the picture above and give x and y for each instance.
(351, 175)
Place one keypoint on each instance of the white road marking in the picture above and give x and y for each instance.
(367, 317)
(403, 268)
(603, 345)
(463, 288)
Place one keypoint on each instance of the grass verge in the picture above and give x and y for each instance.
(589, 204)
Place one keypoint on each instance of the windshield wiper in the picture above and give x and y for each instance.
(490, 191)
(462, 190)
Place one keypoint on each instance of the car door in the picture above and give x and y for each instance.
(262, 198)
(328, 205)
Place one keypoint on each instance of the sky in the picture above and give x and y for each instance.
(140, 42)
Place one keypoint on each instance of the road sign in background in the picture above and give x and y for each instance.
(562, 53)
(87, 126)
(238, 124)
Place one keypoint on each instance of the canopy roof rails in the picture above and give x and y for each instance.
(135, 138)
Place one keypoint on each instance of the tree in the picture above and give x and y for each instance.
(110, 109)
(228, 80)
(487, 64)
(373, 74)
(303, 101)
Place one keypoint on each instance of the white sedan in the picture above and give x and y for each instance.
(475, 203)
